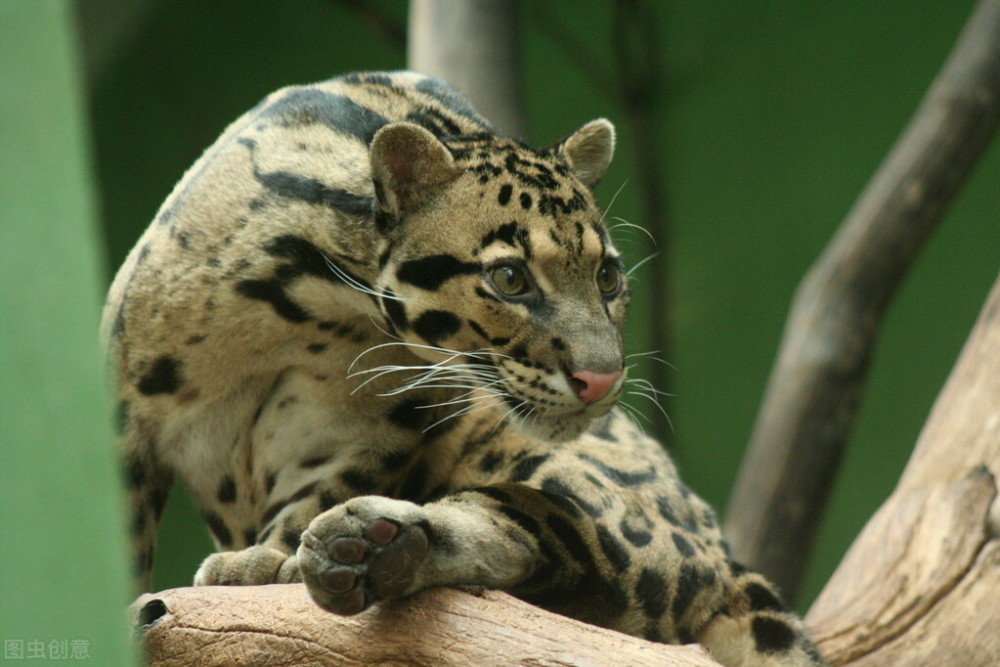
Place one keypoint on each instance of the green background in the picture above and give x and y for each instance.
(774, 116)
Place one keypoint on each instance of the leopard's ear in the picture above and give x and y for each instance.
(589, 150)
(409, 165)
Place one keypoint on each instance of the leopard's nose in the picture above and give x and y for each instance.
(591, 387)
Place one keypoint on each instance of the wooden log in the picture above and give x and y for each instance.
(920, 584)
(280, 625)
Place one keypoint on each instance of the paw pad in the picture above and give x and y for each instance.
(348, 573)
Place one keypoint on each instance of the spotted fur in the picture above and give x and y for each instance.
(382, 344)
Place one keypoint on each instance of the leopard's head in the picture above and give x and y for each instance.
(497, 265)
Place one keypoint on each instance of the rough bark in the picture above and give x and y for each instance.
(271, 626)
(474, 45)
(815, 388)
(919, 586)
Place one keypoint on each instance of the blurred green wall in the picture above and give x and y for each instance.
(63, 573)
(775, 116)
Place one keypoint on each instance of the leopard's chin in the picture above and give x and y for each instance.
(558, 427)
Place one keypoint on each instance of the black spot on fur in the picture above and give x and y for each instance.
(263, 537)
(314, 462)
(393, 307)
(771, 635)
(613, 550)
(312, 191)
(637, 536)
(525, 521)
(494, 493)
(273, 292)
(651, 589)
(525, 201)
(570, 538)
(303, 258)
(304, 492)
(431, 272)
(162, 378)
(491, 461)
(435, 120)
(682, 544)
(218, 528)
(436, 325)
(527, 467)
(563, 502)
(762, 598)
(291, 538)
(310, 106)
(558, 344)
(410, 414)
(690, 582)
(316, 348)
(269, 482)
(273, 510)
(250, 535)
(452, 100)
(666, 510)
(326, 501)
(227, 490)
(505, 192)
(557, 486)
(620, 476)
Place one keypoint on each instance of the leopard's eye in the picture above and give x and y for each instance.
(509, 279)
(609, 277)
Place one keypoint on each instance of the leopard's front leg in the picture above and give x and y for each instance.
(373, 548)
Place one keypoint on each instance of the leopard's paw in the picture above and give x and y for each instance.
(366, 550)
(249, 567)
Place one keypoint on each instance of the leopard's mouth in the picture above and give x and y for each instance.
(546, 422)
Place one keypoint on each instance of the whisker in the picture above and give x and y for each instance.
(622, 223)
(607, 209)
(641, 262)
(352, 282)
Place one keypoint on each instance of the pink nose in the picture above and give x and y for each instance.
(592, 387)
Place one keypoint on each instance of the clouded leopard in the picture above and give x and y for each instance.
(382, 346)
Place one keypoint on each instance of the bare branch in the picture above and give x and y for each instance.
(919, 585)
(815, 387)
(270, 626)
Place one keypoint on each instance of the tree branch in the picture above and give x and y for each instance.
(271, 626)
(814, 390)
(919, 585)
